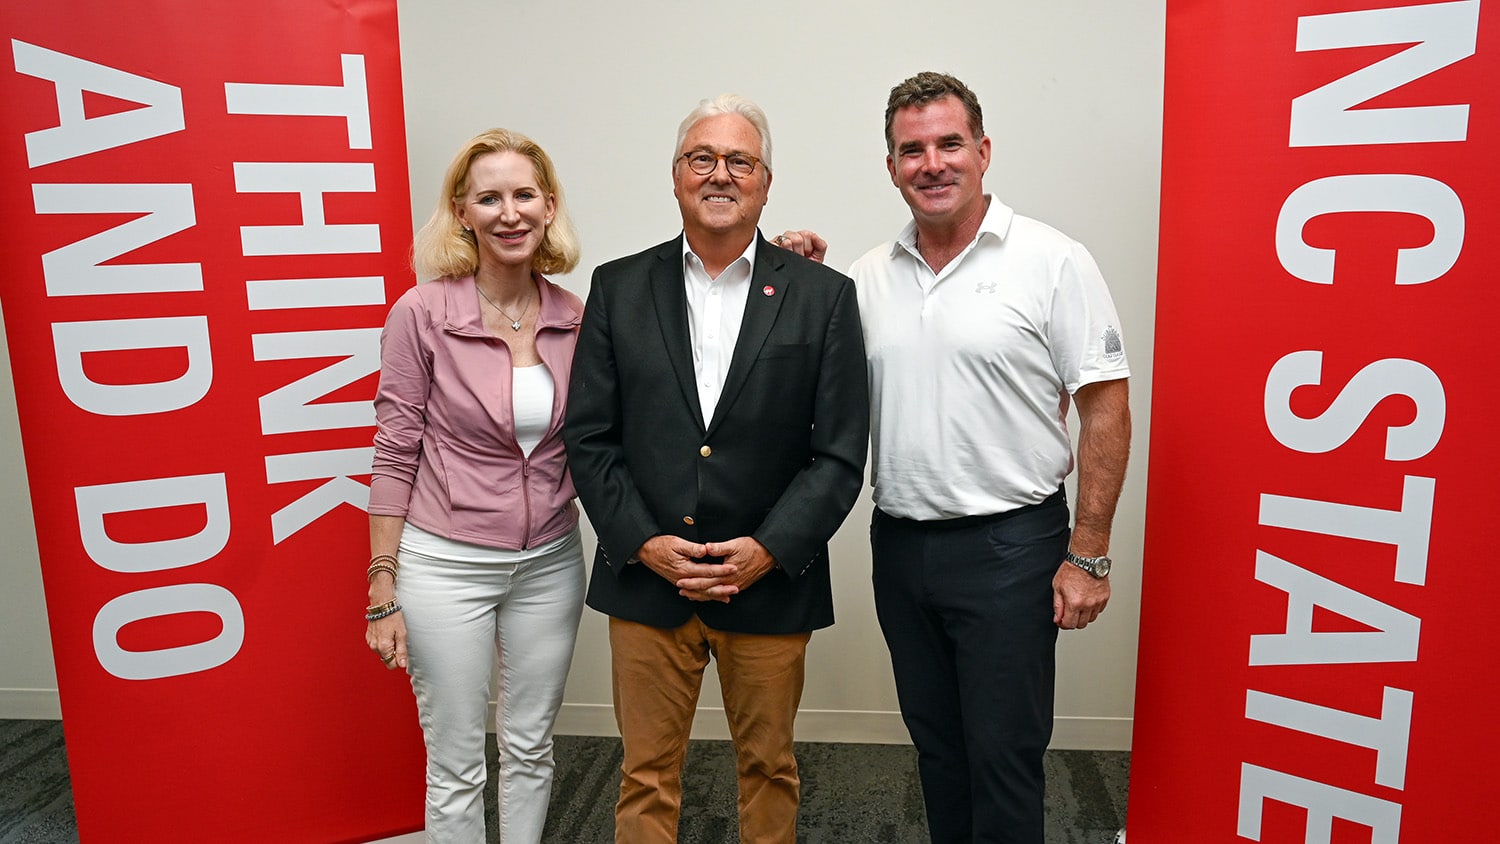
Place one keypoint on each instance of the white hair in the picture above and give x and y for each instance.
(729, 104)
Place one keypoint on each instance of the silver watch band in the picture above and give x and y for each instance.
(1096, 566)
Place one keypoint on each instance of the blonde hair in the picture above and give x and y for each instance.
(444, 249)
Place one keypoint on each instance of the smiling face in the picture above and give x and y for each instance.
(937, 164)
(718, 205)
(506, 208)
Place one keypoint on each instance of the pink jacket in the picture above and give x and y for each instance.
(446, 456)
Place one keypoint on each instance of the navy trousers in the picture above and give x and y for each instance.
(966, 610)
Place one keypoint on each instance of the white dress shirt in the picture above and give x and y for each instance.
(716, 307)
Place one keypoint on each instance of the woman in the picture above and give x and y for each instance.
(474, 543)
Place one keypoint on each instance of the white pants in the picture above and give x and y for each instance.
(459, 617)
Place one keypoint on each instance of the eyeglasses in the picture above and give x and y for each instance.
(703, 162)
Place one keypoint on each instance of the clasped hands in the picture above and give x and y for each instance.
(745, 561)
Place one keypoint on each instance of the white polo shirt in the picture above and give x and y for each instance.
(971, 368)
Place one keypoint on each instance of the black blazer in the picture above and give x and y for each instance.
(782, 460)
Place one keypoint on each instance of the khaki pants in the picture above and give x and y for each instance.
(657, 674)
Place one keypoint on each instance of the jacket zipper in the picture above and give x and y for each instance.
(526, 501)
(526, 460)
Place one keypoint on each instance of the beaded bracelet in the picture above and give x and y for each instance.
(378, 563)
(388, 608)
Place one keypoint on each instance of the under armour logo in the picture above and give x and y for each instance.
(986, 287)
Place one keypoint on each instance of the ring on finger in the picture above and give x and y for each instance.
(779, 240)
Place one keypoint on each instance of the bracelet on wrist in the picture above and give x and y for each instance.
(380, 563)
(378, 612)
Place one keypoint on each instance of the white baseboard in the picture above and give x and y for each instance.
(583, 719)
(1074, 733)
(30, 704)
(854, 727)
(586, 719)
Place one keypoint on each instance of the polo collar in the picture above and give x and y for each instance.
(996, 222)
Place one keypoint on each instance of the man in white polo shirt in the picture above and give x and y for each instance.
(981, 326)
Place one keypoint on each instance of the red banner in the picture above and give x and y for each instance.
(206, 214)
(1314, 615)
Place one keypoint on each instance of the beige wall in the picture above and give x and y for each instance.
(28, 685)
(1072, 91)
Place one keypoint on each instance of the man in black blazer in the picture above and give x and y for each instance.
(716, 431)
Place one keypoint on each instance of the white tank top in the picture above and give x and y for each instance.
(531, 393)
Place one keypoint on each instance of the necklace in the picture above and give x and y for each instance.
(515, 322)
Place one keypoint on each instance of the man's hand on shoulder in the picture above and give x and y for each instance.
(805, 243)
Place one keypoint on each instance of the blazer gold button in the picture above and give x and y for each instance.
(705, 451)
(687, 520)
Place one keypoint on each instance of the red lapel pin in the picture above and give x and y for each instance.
(768, 290)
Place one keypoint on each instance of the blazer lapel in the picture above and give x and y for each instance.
(671, 314)
(767, 292)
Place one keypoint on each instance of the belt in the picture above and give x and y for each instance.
(962, 522)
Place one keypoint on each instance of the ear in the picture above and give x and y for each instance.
(890, 166)
(459, 212)
(551, 205)
(984, 154)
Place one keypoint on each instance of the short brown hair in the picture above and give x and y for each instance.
(927, 87)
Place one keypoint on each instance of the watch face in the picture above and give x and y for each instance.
(1097, 566)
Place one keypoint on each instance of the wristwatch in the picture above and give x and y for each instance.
(1097, 566)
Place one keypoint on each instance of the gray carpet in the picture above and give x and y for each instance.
(851, 793)
(36, 802)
